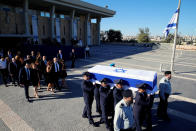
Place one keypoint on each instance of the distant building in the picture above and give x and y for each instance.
(62, 20)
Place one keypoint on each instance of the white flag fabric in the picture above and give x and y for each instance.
(172, 23)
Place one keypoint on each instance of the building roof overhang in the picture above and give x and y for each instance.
(65, 7)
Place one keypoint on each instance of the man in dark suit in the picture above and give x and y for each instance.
(73, 58)
(33, 57)
(56, 72)
(60, 55)
(9, 55)
(43, 65)
(28, 59)
(25, 79)
(12, 68)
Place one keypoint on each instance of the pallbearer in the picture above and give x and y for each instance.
(97, 98)
(106, 101)
(142, 102)
(117, 91)
(88, 94)
(123, 118)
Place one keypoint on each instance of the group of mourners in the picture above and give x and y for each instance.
(119, 110)
(24, 72)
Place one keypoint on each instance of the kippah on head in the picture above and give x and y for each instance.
(167, 72)
(118, 81)
(127, 93)
(143, 86)
(104, 80)
(86, 74)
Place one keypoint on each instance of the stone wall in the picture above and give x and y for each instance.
(94, 34)
(65, 30)
(186, 47)
(11, 23)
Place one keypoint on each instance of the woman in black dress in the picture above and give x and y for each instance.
(35, 78)
(49, 77)
(63, 73)
(39, 72)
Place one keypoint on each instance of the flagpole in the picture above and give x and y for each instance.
(175, 39)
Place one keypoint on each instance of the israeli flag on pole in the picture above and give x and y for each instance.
(172, 23)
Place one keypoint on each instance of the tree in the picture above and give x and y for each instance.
(114, 36)
(143, 36)
(170, 38)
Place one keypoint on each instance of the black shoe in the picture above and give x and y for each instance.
(91, 122)
(109, 128)
(101, 121)
(6, 85)
(84, 116)
(28, 100)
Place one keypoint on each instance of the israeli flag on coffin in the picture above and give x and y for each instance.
(172, 23)
(132, 77)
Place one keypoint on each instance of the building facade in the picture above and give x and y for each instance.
(61, 20)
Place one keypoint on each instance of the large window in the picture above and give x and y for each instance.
(45, 14)
(42, 14)
(62, 16)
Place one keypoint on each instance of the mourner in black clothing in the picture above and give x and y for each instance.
(33, 57)
(28, 59)
(106, 102)
(9, 55)
(63, 73)
(141, 105)
(12, 68)
(88, 88)
(73, 58)
(56, 72)
(118, 91)
(3, 70)
(97, 98)
(49, 77)
(60, 55)
(25, 79)
(43, 65)
(35, 78)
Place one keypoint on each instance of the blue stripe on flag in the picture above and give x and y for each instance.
(171, 25)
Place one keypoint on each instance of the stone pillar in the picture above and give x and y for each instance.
(72, 15)
(52, 11)
(26, 18)
(87, 18)
(98, 30)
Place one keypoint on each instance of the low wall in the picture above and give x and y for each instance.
(131, 44)
(185, 47)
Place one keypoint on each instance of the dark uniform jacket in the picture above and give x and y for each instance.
(106, 99)
(117, 94)
(88, 90)
(141, 102)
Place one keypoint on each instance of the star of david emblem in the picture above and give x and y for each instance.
(120, 70)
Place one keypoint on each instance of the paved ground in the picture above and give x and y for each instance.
(62, 111)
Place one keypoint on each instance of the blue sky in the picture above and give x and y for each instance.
(155, 14)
